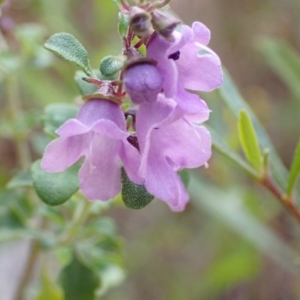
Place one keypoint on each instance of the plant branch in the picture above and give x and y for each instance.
(30, 265)
(287, 202)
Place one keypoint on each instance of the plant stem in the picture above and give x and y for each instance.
(32, 259)
(28, 270)
(80, 216)
(287, 202)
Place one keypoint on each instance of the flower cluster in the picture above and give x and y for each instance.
(159, 134)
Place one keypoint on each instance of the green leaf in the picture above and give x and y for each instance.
(117, 2)
(48, 289)
(226, 206)
(249, 141)
(110, 65)
(134, 195)
(22, 179)
(222, 147)
(294, 171)
(56, 114)
(142, 49)
(123, 24)
(235, 102)
(70, 49)
(78, 281)
(284, 60)
(84, 87)
(14, 209)
(54, 188)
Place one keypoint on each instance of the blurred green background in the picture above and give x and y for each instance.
(233, 241)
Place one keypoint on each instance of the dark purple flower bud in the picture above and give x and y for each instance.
(164, 24)
(140, 21)
(143, 82)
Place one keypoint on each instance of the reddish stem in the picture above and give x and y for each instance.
(287, 202)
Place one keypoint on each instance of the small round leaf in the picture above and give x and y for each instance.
(54, 188)
(78, 281)
(110, 65)
(56, 114)
(134, 195)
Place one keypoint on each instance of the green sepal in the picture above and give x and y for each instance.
(294, 171)
(78, 281)
(249, 141)
(123, 24)
(134, 195)
(110, 65)
(54, 188)
(55, 115)
(69, 48)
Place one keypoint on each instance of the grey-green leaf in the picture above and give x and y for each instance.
(22, 179)
(54, 188)
(134, 195)
(84, 87)
(249, 141)
(110, 65)
(222, 147)
(70, 49)
(235, 102)
(78, 281)
(123, 24)
(294, 171)
(56, 114)
(284, 60)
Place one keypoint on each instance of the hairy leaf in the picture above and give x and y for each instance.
(54, 188)
(70, 49)
(134, 195)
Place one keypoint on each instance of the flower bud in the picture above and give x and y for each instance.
(164, 24)
(142, 80)
(140, 21)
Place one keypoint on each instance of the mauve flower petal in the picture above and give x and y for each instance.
(199, 72)
(149, 117)
(162, 182)
(184, 144)
(109, 129)
(131, 160)
(181, 39)
(97, 109)
(100, 174)
(195, 109)
(201, 33)
(72, 127)
(64, 152)
(159, 49)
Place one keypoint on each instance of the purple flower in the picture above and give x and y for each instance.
(169, 142)
(182, 67)
(143, 82)
(99, 134)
